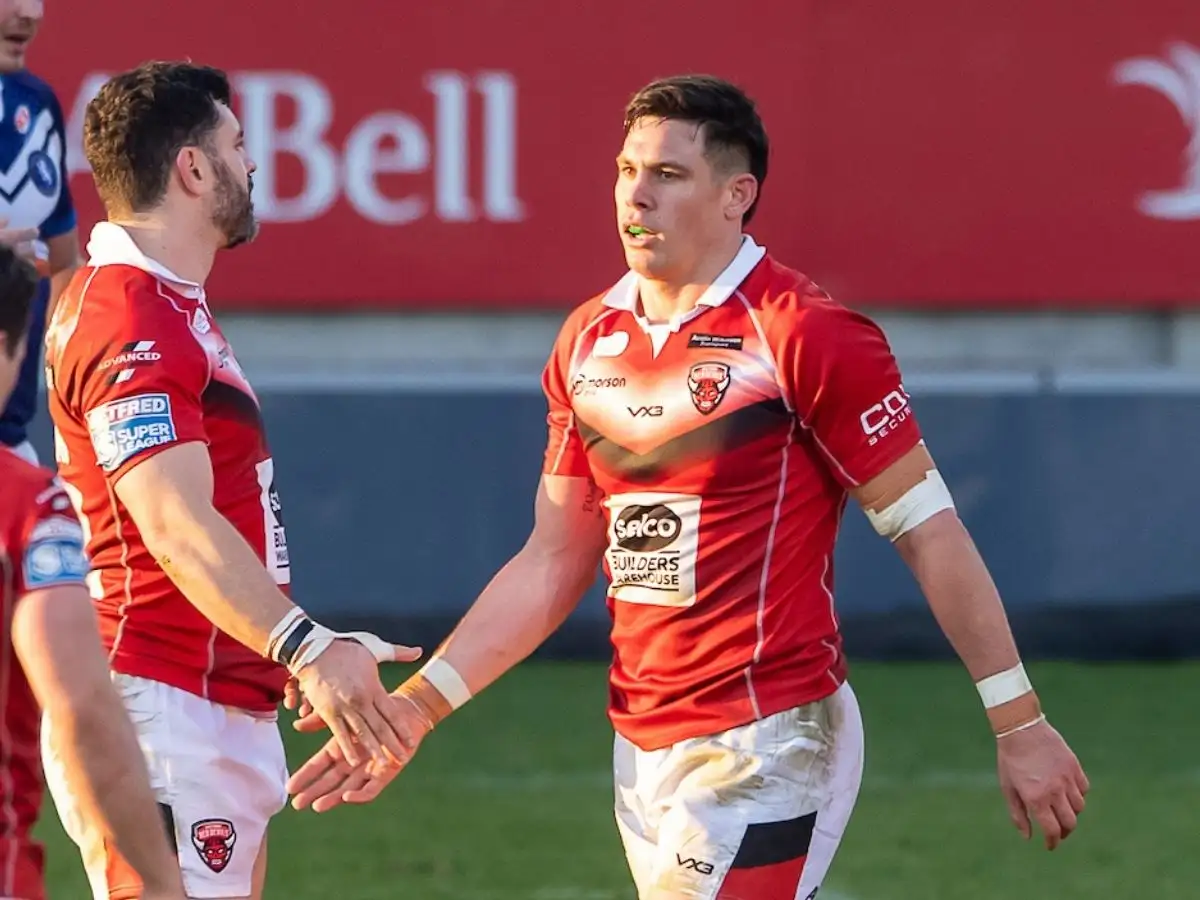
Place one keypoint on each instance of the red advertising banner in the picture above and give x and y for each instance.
(459, 153)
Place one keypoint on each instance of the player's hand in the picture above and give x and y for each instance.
(293, 698)
(342, 685)
(1042, 781)
(20, 239)
(327, 780)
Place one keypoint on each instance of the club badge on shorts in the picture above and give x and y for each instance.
(214, 840)
(708, 382)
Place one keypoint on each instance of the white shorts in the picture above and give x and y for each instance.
(753, 813)
(219, 775)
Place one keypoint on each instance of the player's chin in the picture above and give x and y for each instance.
(645, 261)
(242, 236)
(12, 57)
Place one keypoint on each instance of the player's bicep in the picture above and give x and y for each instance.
(569, 518)
(58, 644)
(168, 493)
(905, 495)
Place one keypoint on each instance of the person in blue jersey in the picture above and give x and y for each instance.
(37, 217)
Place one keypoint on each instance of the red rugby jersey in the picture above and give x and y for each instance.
(41, 547)
(725, 445)
(135, 364)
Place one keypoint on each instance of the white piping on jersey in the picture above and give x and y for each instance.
(825, 585)
(786, 402)
(6, 741)
(768, 553)
(123, 611)
(796, 419)
(570, 373)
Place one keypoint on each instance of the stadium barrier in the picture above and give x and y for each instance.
(401, 499)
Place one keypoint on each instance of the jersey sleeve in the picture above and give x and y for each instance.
(52, 544)
(62, 218)
(846, 388)
(135, 384)
(565, 454)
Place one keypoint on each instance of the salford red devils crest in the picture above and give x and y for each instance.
(214, 840)
(708, 382)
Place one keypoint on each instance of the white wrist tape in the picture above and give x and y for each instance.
(448, 682)
(998, 689)
(921, 502)
(297, 640)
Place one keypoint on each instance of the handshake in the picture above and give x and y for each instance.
(334, 683)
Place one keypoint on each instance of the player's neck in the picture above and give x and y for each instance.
(666, 299)
(184, 251)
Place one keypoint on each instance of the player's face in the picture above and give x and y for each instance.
(19, 22)
(232, 208)
(675, 202)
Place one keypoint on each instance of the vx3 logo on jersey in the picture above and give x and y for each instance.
(1177, 79)
(645, 412)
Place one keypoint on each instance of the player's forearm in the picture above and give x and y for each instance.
(107, 772)
(967, 606)
(221, 575)
(524, 604)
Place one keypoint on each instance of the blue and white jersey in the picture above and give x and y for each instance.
(33, 194)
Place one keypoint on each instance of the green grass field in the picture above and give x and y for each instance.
(511, 798)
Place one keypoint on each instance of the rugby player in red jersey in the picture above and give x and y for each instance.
(51, 660)
(161, 445)
(709, 418)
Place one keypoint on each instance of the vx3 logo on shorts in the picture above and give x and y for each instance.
(699, 865)
(1179, 81)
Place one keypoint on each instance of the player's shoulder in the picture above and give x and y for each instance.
(112, 296)
(107, 307)
(27, 488)
(790, 303)
(583, 316)
(35, 88)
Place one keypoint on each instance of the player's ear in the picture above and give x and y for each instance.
(193, 169)
(741, 192)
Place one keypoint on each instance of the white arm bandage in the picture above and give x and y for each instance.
(921, 502)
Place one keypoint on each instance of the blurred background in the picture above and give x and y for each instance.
(1011, 190)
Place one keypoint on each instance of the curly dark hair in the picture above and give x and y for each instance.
(734, 136)
(139, 121)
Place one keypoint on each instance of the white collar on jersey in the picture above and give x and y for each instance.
(111, 245)
(624, 294)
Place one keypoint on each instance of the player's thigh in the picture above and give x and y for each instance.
(631, 815)
(219, 776)
(743, 811)
(223, 793)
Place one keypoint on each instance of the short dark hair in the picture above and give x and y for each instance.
(18, 284)
(730, 124)
(139, 121)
